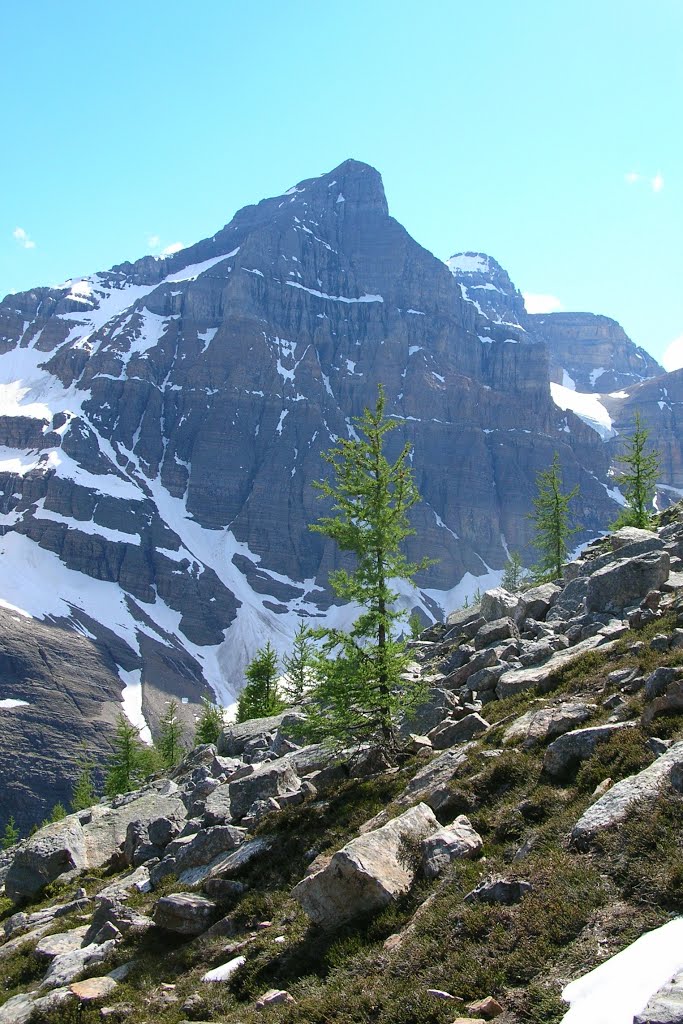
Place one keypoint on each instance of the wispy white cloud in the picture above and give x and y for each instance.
(541, 303)
(153, 241)
(170, 249)
(656, 182)
(673, 355)
(23, 238)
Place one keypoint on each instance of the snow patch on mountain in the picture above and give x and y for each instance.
(587, 407)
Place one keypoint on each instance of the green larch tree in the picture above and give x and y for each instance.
(11, 834)
(169, 744)
(260, 696)
(359, 693)
(131, 760)
(209, 723)
(551, 521)
(638, 480)
(297, 666)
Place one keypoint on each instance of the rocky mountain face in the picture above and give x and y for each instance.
(161, 424)
(592, 353)
(535, 806)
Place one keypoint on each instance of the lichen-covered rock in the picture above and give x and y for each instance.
(185, 913)
(453, 842)
(542, 724)
(626, 581)
(564, 753)
(618, 802)
(368, 873)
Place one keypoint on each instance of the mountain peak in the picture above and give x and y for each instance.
(352, 181)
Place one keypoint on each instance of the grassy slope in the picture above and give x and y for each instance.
(583, 908)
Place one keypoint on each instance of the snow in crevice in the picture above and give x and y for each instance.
(206, 337)
(335, 298)
(440, 522)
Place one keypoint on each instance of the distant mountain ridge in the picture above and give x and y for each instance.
(161, 424)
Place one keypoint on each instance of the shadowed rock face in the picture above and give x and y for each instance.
(594, 351)
(159, 453)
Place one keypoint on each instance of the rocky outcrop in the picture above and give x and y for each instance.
(592, 351)
(88, 839)
(368, 873)
(619, 801)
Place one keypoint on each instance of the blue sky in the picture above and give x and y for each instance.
(546, 134)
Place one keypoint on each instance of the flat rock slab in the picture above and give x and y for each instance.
(29, 1006)
(564, 753)
(93, 988)
(521, 679)
(229, 864)
(64, 942)
(547, 723)
(617, 803)
(69, 966)
(366, 874)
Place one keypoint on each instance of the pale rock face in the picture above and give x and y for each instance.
(87, 839)
(564, 752)
(455, 841)
(544, 724)
(616, 804)
(366, 874)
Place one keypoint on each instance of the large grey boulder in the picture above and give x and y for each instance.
(234, 738)
(618, 802)
(185, 913)
(626, 581)
(54, 849)
(500, 603)
(570, 601)
(439, 704)
(88, 839)
(453, 842)
(564, 753)
(271, 779)
(543, 724)
(458, 678)
(537, 602)
(368, 873)
(496, 631)
(447, 734)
